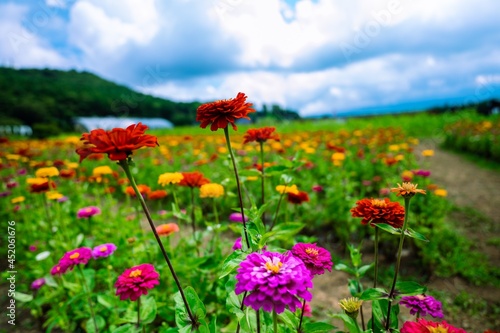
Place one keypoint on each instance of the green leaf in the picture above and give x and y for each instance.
(49, 281)
(413, 234)
(408, 288)
(374, 294)
(351, 325)
(355, 287)
(42, 255)
(365, 268)
(380, 308)
(79, 240)
(282, 231)
(127, 328)
(345, 268)
(318, 327)
(355, 254)
(107, 301)
(21, 297)
(390, 229)
(89, 325)
(232, 262)
(290, 319)
(89, 275)
(276, 169)
(195, 304)
(148, 310)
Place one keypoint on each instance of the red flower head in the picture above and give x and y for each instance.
(379, 211)
(167, 229)
(136, 281)
(157, 195)
(193, 179)
(298, 198)
(260, 135)
(117, 143)
(424, 326)
(221, 113)
(144, 190)
(40, 187)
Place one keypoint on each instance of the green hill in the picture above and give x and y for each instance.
(41, 98)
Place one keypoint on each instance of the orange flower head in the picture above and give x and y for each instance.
(375, 211)
(157, 195)
(193, 179)
(144, 190)
(407, 190)
(260, 135)
(223, 112)
(118, 143)
(167, 229)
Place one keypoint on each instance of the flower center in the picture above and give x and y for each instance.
(312, 252)
(88, 210)
(103, 249)
(379, 203)
(135, 273)
(274, 268)
(74, 255)
(439, 329)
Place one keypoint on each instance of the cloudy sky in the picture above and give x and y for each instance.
(312, 56)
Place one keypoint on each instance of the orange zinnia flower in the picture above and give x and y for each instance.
(143, 190)
(407, 190)
(167, 229)
(193, 179)
(156, 195)
(260, 135)
(117, 143)
(375, 211)
(221, 113)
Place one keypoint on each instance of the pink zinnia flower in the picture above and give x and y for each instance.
(316, 258)
(75, 257)
(104, 250)
(136, 281)
(274, 281)
(423, 305)
(87, 212)
(317, 188)
(424, 326)
(38, 283)
(59, 269)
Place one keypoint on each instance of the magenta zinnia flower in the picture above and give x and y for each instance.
(274, 281)
(423, 305)
(38, 283)
(237, 217)
(104, 250)
(59, 269)
(424, 326)
(237, 244)
(87, 212)
(136, 281)
(316, 258)
(72, 258)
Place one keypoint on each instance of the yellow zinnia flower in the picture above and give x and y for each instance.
(211, 190)
(287, 189)
(102, 170)
(54, 195)
(441, 192)
(428, 153)
(47, 172)
(170, 178)
(17, 200)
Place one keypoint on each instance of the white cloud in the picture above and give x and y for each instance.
(22, 45)
(102, 28)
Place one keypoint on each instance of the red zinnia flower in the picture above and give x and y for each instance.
(260, 135)
(167, 229)
(221, 113)
(117, 143)
(379, 211)
(136, 281)
(424, 326)
(193, 179)
(143, 190)
(157, 195)
(298, 198)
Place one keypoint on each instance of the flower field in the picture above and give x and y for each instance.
(220, 230)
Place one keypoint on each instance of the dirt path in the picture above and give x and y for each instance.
(476, 192)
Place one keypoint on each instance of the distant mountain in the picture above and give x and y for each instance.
(54, 98)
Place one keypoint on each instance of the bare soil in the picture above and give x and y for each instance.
(477, 192)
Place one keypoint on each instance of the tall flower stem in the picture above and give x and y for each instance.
(263, 175)
(139, 312)
(125, 166)
(193, 218)
(87, 290)
(241, 308)
(398, 262)
(277, 210)
(228, 142)
(275, 322)
(375, 278)
(301, 315)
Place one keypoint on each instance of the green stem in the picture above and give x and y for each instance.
(398, 262)
(275, 322)
(193, 221)
(257, 315)
(263, 175)
(228, 142)
(87, 290)
(277, 211)
(125, 166)
(139, 312)
(301, 316)
(175, 197)
(375, 281)
(216, 214)
(241, 308)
